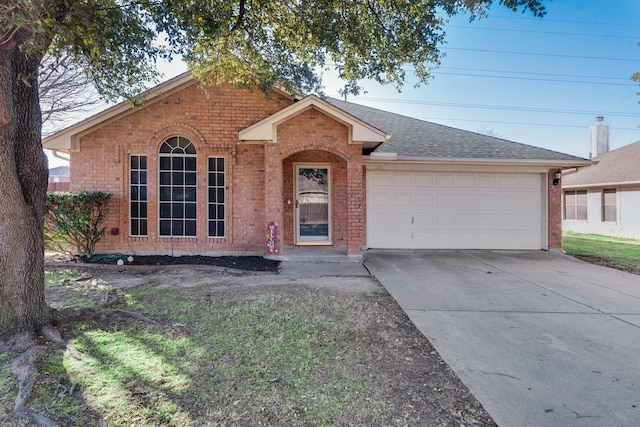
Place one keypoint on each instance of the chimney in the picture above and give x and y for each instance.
(598, 138)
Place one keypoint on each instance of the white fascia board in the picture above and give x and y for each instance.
(383, 156)
(561, 164)
(601, 184)
(266, 129)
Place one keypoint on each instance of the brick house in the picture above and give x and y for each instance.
(211, 171)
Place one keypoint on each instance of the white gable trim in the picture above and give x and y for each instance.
(68, 139)
(266, 130)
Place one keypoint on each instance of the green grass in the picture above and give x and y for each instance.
(256, 360)
(622, 254)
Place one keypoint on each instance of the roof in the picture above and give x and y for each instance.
(407, 138)
(617, 167)
(60, 171)
(414, 138)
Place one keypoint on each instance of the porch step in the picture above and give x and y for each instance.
(317, 254)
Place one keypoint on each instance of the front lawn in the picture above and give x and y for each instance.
(253, 354)
(621, 254)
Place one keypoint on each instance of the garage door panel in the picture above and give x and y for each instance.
(445, 200)
(466, 201)
(424, 201)
(402, 180)
(465, 181)
(402, 199)
(445, 181)
(529, 182)
(454, 210)
(485, 181)
(423, 180)
(381, 199)
(379, 180)
(507, 182)
(424, 219)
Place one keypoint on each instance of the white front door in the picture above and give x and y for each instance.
(313, 204)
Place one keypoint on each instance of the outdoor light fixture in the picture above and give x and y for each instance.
(556, 180)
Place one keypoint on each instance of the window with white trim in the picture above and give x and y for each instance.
(609, 205)
(138, 195)
(216, 183)
(177, 185)
(575, 204)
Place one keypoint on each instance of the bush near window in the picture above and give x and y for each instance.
(73, 222)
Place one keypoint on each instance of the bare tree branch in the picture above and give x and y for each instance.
(64, 90)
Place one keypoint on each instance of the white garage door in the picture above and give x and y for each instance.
(440, 210)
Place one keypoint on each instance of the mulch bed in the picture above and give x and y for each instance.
(247, 263)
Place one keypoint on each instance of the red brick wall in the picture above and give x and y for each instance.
(59, 186)
(311, 136)
(211, 121)
(555, 211)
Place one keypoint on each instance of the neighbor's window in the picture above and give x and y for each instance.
(138, 195)
(177, 184)
(609, 213)
(575, 205)
(216, 183)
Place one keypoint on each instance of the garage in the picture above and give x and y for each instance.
(455, 210)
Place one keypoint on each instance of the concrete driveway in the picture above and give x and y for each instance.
(540, 338)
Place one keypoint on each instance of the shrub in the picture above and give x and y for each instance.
(73, 222)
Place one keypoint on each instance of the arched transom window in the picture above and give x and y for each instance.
(177, 185)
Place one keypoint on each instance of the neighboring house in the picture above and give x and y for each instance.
(59, 178)
(604, 199)
(211, 173)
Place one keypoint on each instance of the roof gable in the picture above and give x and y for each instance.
(68, 139)
(360, 132)
(617, 167)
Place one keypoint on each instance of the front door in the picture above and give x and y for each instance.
(313, 204)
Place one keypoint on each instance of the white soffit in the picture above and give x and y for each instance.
(266, 129)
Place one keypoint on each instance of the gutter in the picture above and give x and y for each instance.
(601, 184)
(561, 164)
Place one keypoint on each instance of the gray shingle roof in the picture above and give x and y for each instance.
(418, 138)
(616, 166)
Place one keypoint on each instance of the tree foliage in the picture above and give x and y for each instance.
(74, 221)
(247, 42)
(251, 43)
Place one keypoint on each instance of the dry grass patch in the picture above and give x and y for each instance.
(277, 355)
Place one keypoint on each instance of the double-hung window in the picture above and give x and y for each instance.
(575, 204)
(609, 205)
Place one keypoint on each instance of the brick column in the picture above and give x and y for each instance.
(356, 220)
(554, 219)
(273, 192)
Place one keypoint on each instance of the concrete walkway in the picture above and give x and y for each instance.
(540, 338)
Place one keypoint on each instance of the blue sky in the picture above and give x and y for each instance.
(538, 81)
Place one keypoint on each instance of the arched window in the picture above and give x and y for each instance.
(177, 158)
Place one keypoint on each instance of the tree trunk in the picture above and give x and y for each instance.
(23, 187)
